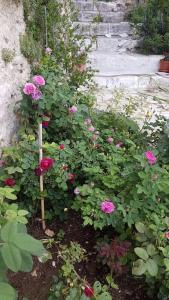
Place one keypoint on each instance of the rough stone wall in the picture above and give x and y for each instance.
(15, 73)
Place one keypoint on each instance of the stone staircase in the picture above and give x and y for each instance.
(114, 52)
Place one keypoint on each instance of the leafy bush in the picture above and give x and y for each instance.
(70, 285)
(152, 21)
(153, 253)
(16, 246)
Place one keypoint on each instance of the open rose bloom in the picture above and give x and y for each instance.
(150, 157)
(73, 109)
(46, 163)
(29, 88)
(38, 80)
(107, 206)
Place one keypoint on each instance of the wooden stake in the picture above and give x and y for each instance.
(41, 178)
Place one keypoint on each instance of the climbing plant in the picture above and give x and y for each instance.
(51, 26)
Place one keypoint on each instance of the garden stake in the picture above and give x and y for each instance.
(41, 178)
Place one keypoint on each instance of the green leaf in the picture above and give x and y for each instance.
(3, 269)
(27, 262)
(141, 252)
(140, 227)
(151, 250)
(152, 267)
(166, 263)
(11, 256)
(139, 267)
(104, 296)
(22, 228)
(22, 213)
(7, 292)
(28, 243)
(97, 287)
(8, 231)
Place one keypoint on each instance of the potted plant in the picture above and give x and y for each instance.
(164, 64)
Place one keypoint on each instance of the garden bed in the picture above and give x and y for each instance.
(36, 285)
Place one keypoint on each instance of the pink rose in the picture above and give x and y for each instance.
(89, 291)
(119, 145)
(38, 171)
(71, 177)
(94, 137)
(38, 80)
(46, 163)
(73, 109)
(9, 182)
(110, 140)
(36, 95)
(91, 129)
(167, 235)
(107, 206)
(48, 50)
(88, 121)
(61, 146)
(29, 88)
(76, 191)
(2, 163)
(150, 157)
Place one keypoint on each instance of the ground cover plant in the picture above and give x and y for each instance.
(102, 175)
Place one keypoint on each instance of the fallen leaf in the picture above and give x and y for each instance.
(34, 273)
(49, 232)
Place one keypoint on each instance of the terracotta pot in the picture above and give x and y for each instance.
(164, 66)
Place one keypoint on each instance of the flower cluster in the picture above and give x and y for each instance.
(33, 89)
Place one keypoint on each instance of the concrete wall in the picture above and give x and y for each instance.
(15, 73)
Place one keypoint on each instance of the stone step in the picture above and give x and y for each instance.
(105, 17)
(110, 64)
(123, 81)
(101, 29)
(115, 5)
(131, 82)
(114, 44)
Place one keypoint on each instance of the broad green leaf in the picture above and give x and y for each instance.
(83, 297)
(11, 256)
(3, 269)
(97, 287)
(141, 252)
(27, 262)
(9, 194)
(19, 170)
(152, 267)
(7, 292)
(166, 262)
(28, 243)
(8, 231)
(140, 227)
(104, 296)
(10, 170)
(139, 267)
(22, 213)
(151, 250)
(21, 228)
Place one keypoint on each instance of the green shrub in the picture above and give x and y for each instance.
(152, 22)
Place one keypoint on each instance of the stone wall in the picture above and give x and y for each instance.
(14, 73)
